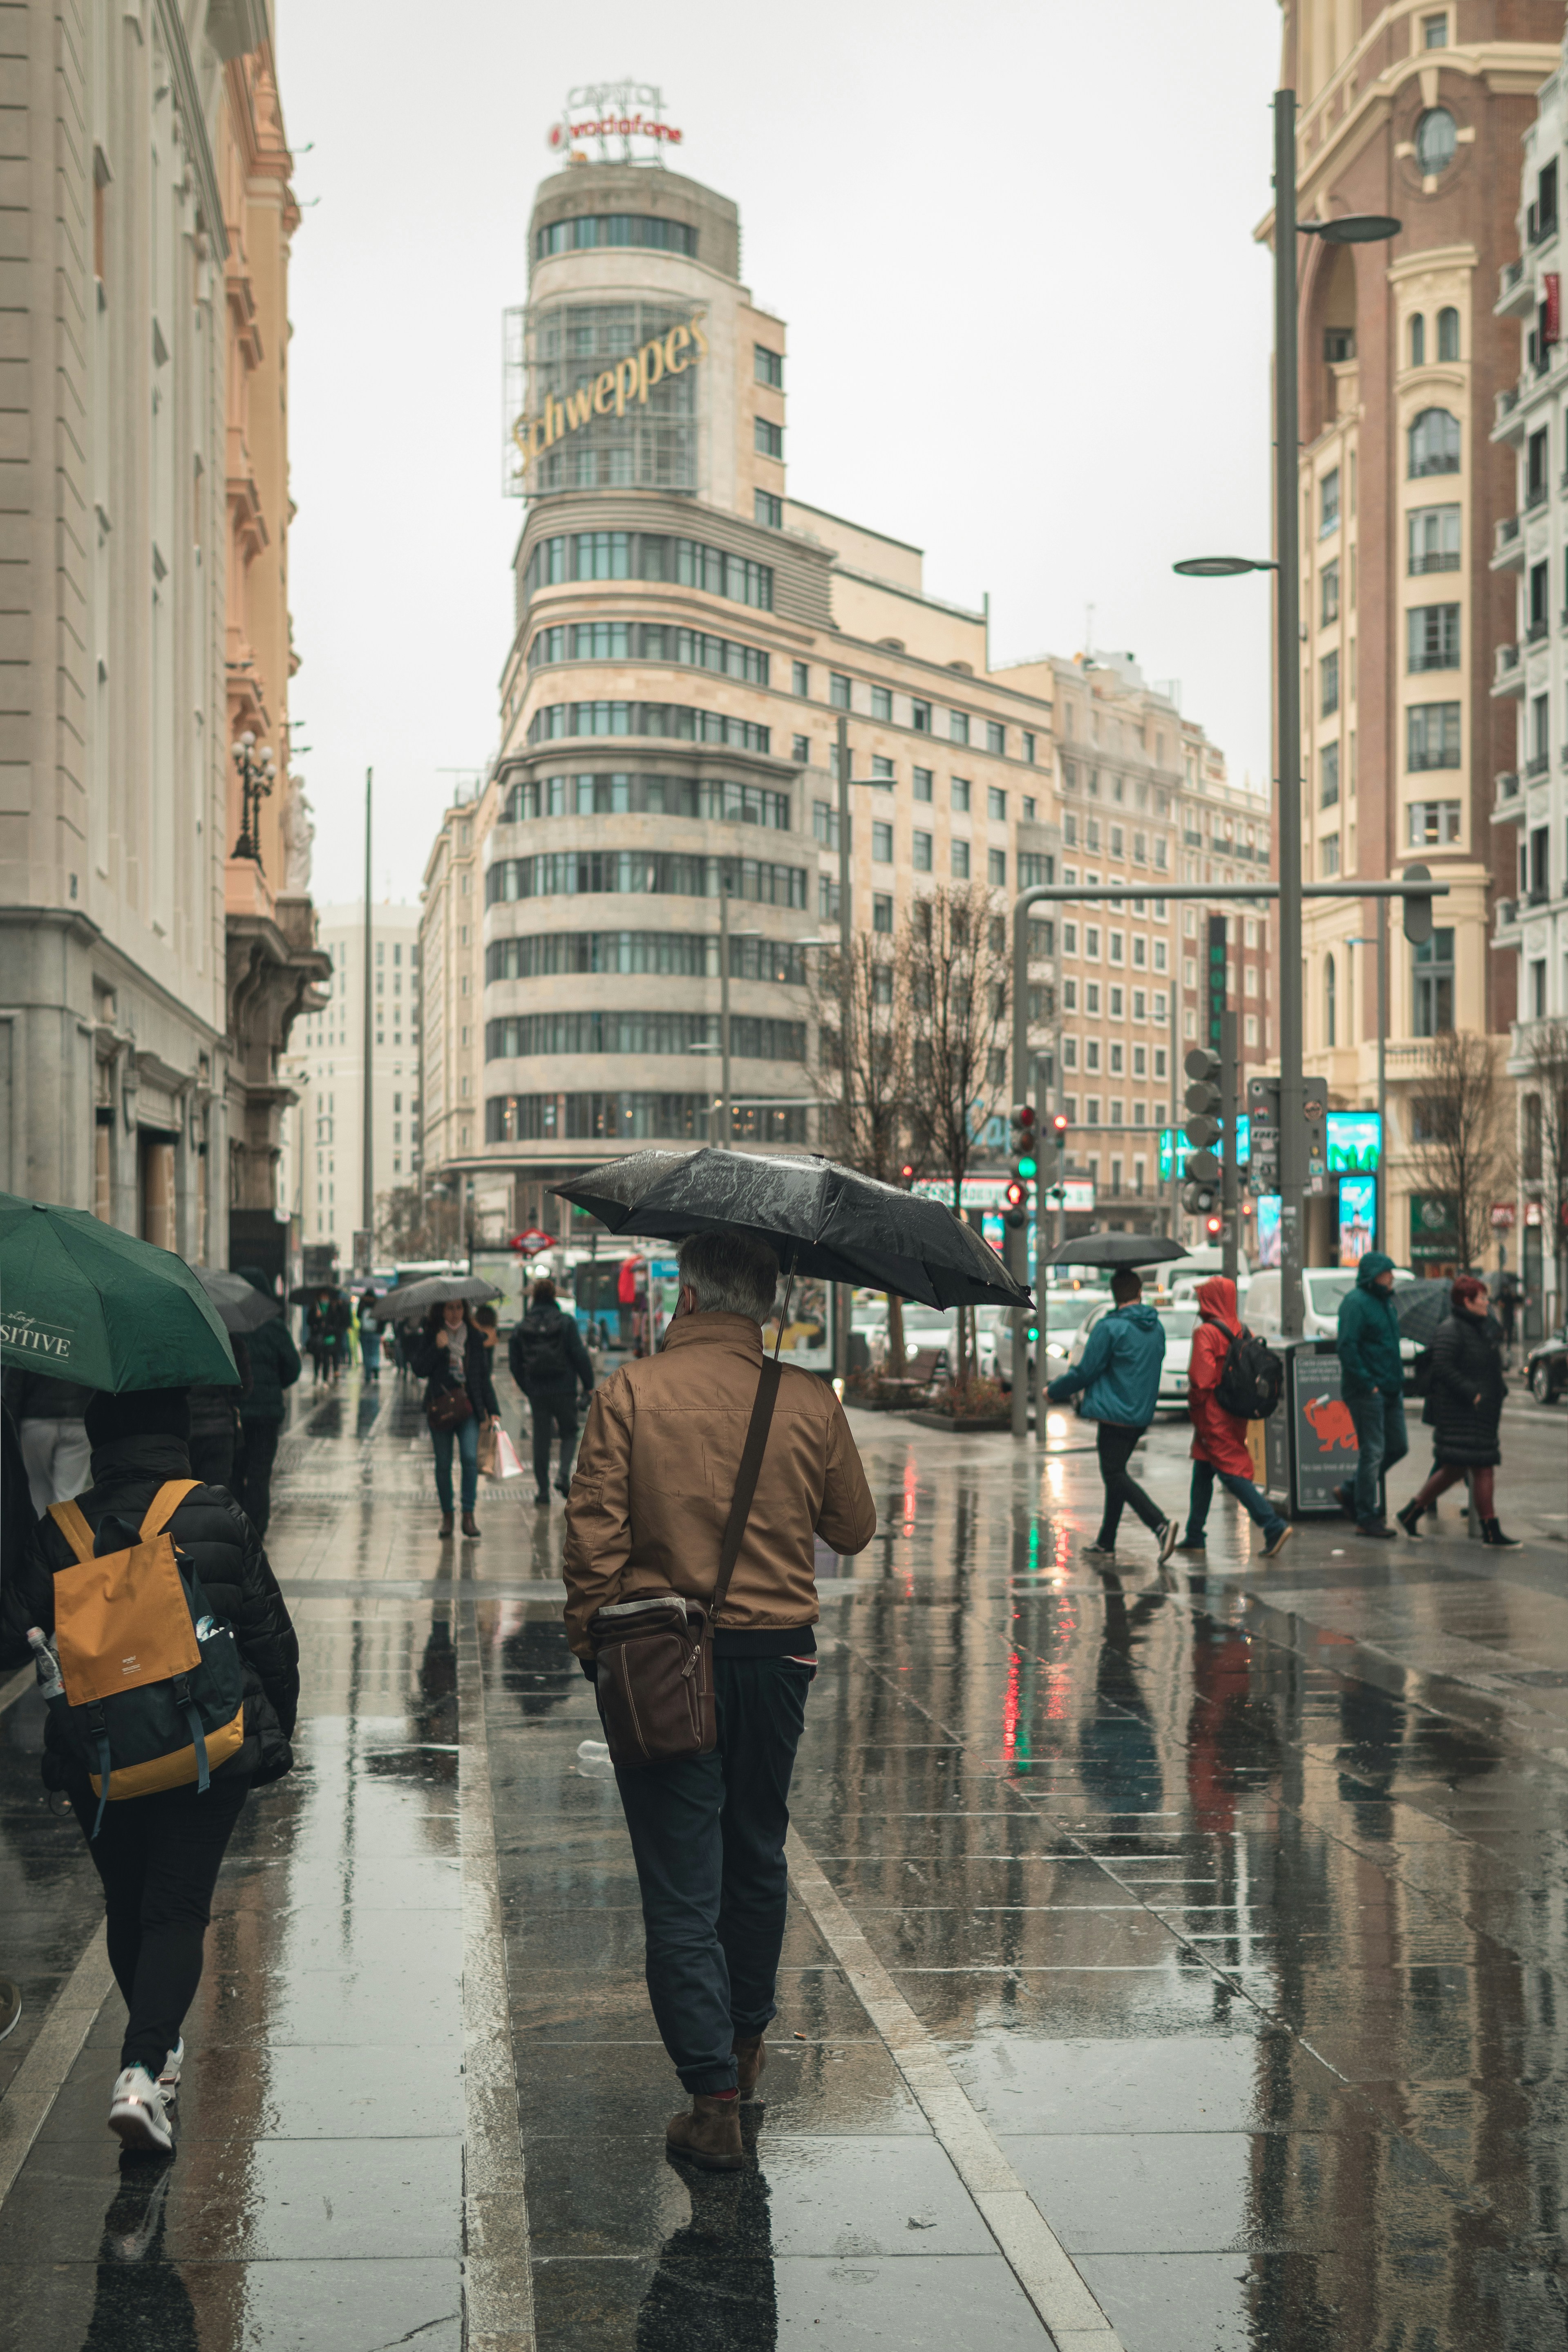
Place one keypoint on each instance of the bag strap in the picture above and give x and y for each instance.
(70, 1519)
(746, 1481)
(164, 1504)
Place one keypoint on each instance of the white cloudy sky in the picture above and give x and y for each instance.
(1028, 329)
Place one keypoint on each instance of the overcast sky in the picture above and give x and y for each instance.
(1028, 329)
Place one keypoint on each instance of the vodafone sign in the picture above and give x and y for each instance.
(622, 109)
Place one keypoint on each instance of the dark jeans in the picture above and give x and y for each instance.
(1380, 1442)
(1114, 1444)
(158, 1858)
(554, 1412)
(468, 1436)
(212, 1461)
(707, 1836)
(1257, 1506)
(254, 1493)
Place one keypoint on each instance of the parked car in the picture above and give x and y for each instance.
(1322, 1288)
(1179, 1324)
(1546, 1368)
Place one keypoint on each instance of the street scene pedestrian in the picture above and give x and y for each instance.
(1465, 1393)
(274, 1368)
(1372, 1371)
(451, 1359)
(549, 1364)
(1220, 1449)
(1118, 1378)
(708, 1830)
(215, 1432)
(369, 1338)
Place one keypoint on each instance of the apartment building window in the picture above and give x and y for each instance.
(769, 366)
(1434, 443)
(922, 783)
(995, 805)
(839, 690)
(919, 717)
(1432, 736)
(1539, 870)
(1448, 333)
(881, 917)
(1432, 636)
(1329, 855)
(1328, 503)
(1069, 1053)
(1328, 593)
(1028, 809)
(801, 677)
(768, 438)
(1091, 941)
(1433, 823)
(1328, 685)
(1436, 139)
(1029, 748)
(881, 769)
(1432, 973)
(1432, 539)
(825, 823)
(960, 861)
(960, 795)
(881, 844)
(1091, 1062)
(957, 727)
(1435, 31)
(1117, 1060)
(996, 739)
(1069, 938)
(920, 854)
(1249, 981)
(881, 702)
(800, 750)
(1418, 341)
(996, 867)
(1091, 998)
(1540, 591)
(1540, 735)
(1328, 776)
(767, 510)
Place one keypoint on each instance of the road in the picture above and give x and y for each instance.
(1172, 1964)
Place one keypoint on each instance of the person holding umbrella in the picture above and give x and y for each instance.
(1119, 1376)
(1465, 1390)
(450, 1357)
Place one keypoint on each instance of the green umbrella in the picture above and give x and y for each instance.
(82, 1301)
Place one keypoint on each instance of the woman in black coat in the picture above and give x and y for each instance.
(1465, 1390)
(450, 1355)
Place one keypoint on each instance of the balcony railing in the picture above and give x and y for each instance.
(1537, 764)
(1506, 914)
(1509, 276)
(1537, 630)
(1506, 673)
(1507, 785)
(1507, 400)
(1508, 532)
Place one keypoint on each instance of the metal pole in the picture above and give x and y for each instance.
(367, 1185)
(1382, 1193)
(1288, 712)
(726, 1117)
(1175, 1084)
(845, 1009)
(1018, 1242)
(1229, 1174)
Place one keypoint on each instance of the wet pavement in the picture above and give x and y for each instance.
(1177, 1964)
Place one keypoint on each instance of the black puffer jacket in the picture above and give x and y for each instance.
(441, 1368)
(547, 1355)
(226, 1557)
(1466, 1364)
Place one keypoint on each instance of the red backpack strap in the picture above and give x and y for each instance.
(164, 1504)
(73, 1524)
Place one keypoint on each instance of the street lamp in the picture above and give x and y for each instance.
(1351, 229)
(257, 774)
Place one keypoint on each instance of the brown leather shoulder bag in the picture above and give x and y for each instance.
(654, 1655)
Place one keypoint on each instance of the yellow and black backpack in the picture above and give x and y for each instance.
(154, 1686)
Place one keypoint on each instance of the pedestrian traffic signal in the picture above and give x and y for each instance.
(1214, 1226)
(1059, 1130)
(1017, 1213)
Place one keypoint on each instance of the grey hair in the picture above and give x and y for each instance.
(731, 1274)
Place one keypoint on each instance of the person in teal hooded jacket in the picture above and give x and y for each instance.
(1118, 1375)
(1372, 1377)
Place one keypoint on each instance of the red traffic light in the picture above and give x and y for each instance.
(1213, 1227)
(1023, 1113)
(1059, 1126)
(1017, 1194)
(906, 1171)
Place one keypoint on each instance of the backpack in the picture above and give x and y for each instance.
(543, 1350)
(1250, 1383)
(153, 1688)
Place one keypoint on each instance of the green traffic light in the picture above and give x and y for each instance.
(1026, 1169)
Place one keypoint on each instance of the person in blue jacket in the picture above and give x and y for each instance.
(1119, 1374)
(1372, 1381)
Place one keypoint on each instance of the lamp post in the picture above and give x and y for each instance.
(1354, 228)
(257, 774)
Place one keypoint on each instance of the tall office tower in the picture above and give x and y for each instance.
(1407, 703)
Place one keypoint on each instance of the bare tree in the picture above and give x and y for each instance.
(1545, 1113)
(867, 1121)
(411, 1227)
(1462, 1141)
(958, 971)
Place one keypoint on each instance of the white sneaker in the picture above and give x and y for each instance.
(136, 2111)
(169, 2079)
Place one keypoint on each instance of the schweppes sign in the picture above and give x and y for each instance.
(612, 393)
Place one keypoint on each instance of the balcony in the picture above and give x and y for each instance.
(1540, 226)
(1537, 764)
(1516, 292)
(1535, 634)
(1508, 675)
(1536, 496)
(1509, 806)
(1538, 894)
(1193, 840)
(1507, 921)
(1508, 547)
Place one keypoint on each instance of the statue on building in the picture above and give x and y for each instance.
(298, 832)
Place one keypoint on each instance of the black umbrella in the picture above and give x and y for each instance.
(1420, 1306)
(401, 1306)
(1112, 1250)
(241, 1306)
(822, 1219)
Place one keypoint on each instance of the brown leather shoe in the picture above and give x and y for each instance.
(471, 1527)
(446, 1527)
(709, 2136)
(750, 2057)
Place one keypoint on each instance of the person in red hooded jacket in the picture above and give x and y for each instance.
(1219, 1438)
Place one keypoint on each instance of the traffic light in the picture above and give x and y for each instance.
(1017, 1213)
(907, 1175)
(1214, 1226)
(1417, 909)
(1200, 1168)
(1025, 1145)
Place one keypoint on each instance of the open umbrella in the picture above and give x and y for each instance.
(1112, 1250)
(401, 1306)
(241, 1306)
(1420, 1306)
(82, 1301)
(822, 1219)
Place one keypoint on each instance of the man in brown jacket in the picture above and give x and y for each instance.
(655, 1479)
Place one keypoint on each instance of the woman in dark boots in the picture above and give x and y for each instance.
(451, 1359)
(1465, 1391)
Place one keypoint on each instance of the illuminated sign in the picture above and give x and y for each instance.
(1354, 1142)
(612, 391)
(1358, 1217)
(614, 109)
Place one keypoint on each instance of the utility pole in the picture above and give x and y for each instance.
(368, 1146)
(1287, 707)
(1229, 1174)
(845, 1297)
(726, 1117)
(1381, 1194)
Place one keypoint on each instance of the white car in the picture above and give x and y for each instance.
(1178, 1324)
(937, 1326)
(1322, 1288)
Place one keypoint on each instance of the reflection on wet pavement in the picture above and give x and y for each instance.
(1242, 1951)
